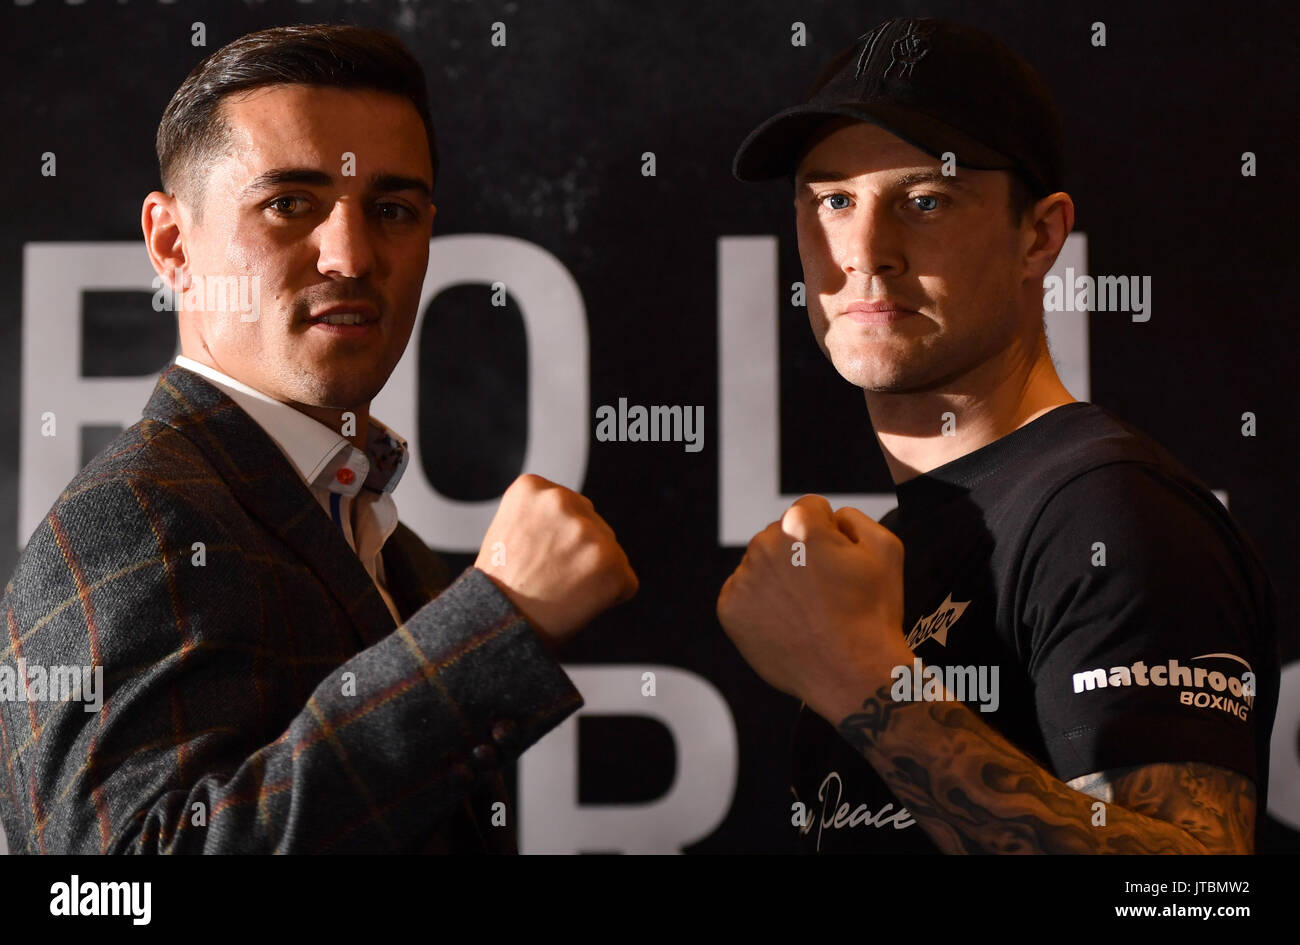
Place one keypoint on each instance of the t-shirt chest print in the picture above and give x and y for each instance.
(949, 642)
(949, 616)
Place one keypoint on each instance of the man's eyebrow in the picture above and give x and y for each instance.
(932, 177)
(386, 183)
(381, 183)
(288, 175)
(816, 176)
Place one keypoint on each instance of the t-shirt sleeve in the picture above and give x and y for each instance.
(1142, 625)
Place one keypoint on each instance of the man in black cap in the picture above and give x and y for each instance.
(1078, 654)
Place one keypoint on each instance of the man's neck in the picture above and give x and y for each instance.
(986, 404)
(330, 416)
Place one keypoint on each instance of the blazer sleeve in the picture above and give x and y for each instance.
(388, 747)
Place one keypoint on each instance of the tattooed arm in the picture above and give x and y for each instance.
(974, 792)
(831, 629)
(1213, 804)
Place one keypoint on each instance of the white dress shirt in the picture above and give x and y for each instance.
(333, 469)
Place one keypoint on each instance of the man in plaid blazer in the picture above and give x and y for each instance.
(282, 667)
(227, 682)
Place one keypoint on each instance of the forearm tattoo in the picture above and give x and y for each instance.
(975, 792)
(861, 728)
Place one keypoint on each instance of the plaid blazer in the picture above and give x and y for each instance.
(257, 695)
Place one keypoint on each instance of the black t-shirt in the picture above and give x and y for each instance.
(1118, 600)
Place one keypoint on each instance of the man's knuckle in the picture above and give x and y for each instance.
(529, 482)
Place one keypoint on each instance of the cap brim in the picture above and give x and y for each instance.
(774, 148)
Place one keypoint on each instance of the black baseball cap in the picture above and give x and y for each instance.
(939, 86)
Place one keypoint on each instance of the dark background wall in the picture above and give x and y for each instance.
(543, 141)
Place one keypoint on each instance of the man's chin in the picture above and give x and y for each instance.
(343, 393)
(873, 375)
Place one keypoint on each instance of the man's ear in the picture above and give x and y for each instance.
(160, 219)
(1050, 221)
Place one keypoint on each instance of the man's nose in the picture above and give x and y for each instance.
(345, 242)
(873, 242)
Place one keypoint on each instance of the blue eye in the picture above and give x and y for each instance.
(933, 202)
(843, 206)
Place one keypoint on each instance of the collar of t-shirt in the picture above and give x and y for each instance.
(926, 492)
(345, 480)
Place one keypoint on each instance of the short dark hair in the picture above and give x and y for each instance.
(192, 135)
(1021, 195)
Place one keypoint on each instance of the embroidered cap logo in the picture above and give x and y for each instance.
(905, 52)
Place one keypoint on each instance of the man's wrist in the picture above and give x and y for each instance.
(856, 681)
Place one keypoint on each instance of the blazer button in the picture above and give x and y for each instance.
(485, 756)
(503, 731)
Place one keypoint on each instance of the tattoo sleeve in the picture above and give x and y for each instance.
(974, 792)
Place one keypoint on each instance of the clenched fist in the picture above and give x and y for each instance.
(554, 558)
(815, 621)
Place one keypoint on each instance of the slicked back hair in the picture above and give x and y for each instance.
(193, 136)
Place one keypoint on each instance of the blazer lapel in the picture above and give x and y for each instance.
(265, 482)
